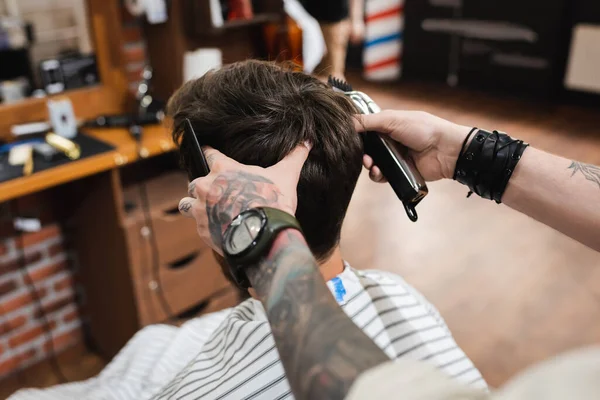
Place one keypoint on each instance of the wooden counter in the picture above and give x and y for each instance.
(155, 141)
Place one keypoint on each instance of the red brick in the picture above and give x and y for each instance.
(7, 287)
(55, 249)
(54, 305)
(63, 283)
(34, 257)
(132, 33)
(21, 300)
(134, 54)
(71, 316)
(12, 324)
(64, 340)
(8, 266)
(27, 355)
(26, 336)
(16, 302)
(9, 365)
(14, 264)
(47, 271)
(3, 248)
(47, 232)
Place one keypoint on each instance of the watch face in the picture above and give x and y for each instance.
(244, 231)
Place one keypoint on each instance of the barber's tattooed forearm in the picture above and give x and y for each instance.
(234, 192)
(322, 350)
(590, 172)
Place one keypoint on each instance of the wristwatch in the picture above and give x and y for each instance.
(249, 237)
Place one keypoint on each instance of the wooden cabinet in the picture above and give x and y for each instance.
(177, 271)
(131, 280)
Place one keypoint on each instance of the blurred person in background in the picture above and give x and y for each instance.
(341, 21)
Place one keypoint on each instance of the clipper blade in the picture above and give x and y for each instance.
(339, 84)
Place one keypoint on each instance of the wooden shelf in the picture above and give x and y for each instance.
(257, 20)
(155, 140)
(197, 19)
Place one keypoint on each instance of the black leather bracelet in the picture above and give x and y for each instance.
(513, 160)
(488, 162)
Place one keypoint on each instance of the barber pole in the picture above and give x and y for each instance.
(383, 39)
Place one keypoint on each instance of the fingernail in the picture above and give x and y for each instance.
(308, 145)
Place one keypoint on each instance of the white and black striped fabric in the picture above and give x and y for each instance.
(232, 355)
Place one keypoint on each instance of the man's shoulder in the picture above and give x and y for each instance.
(385, 283)
(248, 310)
(376, 276)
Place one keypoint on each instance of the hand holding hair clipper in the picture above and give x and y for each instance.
(390, 156)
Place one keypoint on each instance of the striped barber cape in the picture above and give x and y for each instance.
(232, 355)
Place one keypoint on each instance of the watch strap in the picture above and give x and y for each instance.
(277, 221)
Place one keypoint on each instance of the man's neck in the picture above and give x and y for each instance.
(333, 266)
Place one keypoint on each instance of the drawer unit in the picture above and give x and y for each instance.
(180, 265)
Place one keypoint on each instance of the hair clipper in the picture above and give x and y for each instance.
(390, 156)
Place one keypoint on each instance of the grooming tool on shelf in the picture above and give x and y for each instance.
(62, 117)
(391, 157)
(64, 145)
(28, 166)
(198, 164)
(126, 120)
(46, 151)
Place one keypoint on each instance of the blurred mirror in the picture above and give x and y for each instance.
(45, 48)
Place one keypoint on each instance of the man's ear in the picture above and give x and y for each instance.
(252, 293)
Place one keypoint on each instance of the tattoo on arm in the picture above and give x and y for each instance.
(234, 192)
(590, 172)
(322, 350)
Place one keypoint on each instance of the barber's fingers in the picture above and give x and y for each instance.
(194, 208)
(374, 172)
(376, 175)
(367, 162)
(186, 205)
(218, 161)
(383, 122)
(292, 164)
(388, 122)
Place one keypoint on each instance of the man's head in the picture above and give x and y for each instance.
(257, 112)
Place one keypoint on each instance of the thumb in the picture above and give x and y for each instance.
(382, 122)
(216, 160)
(292, 164)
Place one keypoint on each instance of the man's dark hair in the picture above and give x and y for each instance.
(257, 112)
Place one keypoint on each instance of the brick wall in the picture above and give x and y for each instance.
(22, 338)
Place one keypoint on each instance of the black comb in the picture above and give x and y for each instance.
(339, 84)
(197, 164)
